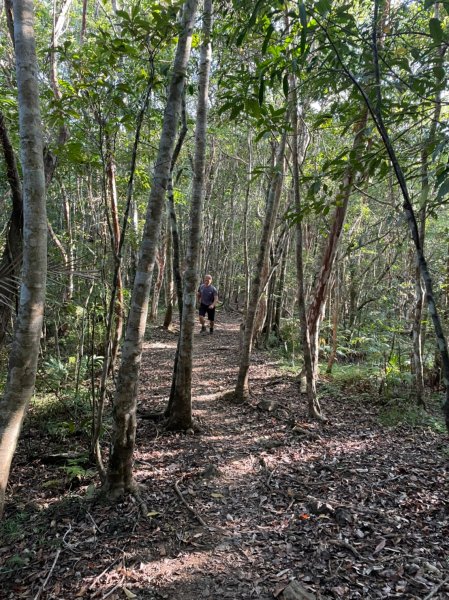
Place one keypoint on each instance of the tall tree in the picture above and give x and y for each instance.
(25, 348)
(120, 473)
(180, 416)
(241, 392)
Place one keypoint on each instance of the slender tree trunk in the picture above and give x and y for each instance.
(11, 261)
(327, 262)
(180, 416)
(376, 113)
(169, 285)
(25, 349)
(120, 473)
(418, 367)
(97, 411)
(281, 290)
(115, 241)
(241, 392)
(68, 292)
(245, 227)
(335, 313)
(160, 260)
(297, 159)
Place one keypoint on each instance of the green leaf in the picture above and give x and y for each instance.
(323, 7)
(250, 23)
(444, 189)
(235, 111)
(435, 30)
(252, 107)
(123, 14)
(285, 86)
(439, 73)
(267, 38)
(261, 94)
(303, 20)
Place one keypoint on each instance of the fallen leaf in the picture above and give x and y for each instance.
(380, 546)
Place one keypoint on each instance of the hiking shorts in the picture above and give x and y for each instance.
(204, 309)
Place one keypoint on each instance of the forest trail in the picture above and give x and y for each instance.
(348, 508)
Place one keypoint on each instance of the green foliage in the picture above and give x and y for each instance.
(62, 417)
(11, 529)
(76, 468)
(54, 373)
(400, 412)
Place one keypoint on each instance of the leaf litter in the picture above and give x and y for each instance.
(260, 503)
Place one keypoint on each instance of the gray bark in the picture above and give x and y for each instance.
(120, 474)
(180, 416)
(241, 392)
(298, 154)
(25, 348)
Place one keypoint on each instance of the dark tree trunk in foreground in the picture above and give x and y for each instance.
(25, 348)
(120, 472)
(11, 261)
(180, 416)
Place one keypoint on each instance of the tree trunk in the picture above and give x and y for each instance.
(281, 291)
(11, 261)
(25, 348)
(334, 339)
(418, 367)
(180, 416)
(160, 260)
(298, 154)
(169, 285)
(115, 241)
(241, 392)
(376, 113)
(120, 474)
(327, 262)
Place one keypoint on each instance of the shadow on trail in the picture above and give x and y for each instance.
(348, 508)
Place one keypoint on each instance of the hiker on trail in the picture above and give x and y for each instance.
(208, 298)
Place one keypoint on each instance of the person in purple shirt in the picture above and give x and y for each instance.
(208, 298)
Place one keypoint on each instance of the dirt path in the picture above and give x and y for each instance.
(347, 508)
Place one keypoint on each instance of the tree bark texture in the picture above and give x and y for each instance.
(25, 348)
(298, 154)
(241, 392)
(180, 416)
(327, 262)
(120, 473)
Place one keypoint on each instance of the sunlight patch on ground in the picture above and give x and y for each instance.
(180, 568)
(161, 345)
(352, 446)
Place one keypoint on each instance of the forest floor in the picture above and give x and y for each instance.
(348, 508)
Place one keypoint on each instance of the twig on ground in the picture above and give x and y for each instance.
(141, 505)
(437, 588)
(93, 522)
(271, 476)
(187, 505)
(97, 579)
(113, 589)
(71, 547)
(58, 552)
(355, 552)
